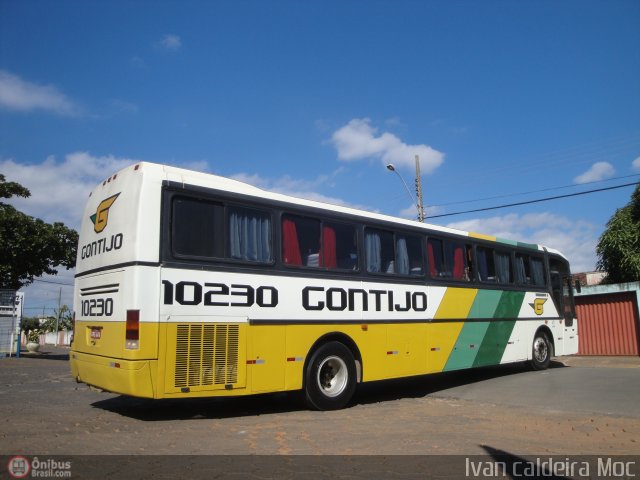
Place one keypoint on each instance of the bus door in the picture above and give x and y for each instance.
(562, 292)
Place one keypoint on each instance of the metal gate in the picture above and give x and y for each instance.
(608, 324)
(10, 312)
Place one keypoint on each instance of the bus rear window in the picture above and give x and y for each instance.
(194, 227)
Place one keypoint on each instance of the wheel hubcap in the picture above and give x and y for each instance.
(540, 350)
(332, 376)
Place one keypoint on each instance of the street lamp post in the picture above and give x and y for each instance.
(417, 203)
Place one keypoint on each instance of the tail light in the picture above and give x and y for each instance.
(133, 329)
(73, 328)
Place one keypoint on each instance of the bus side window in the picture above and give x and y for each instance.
(537, 272)
(339, 248)
(249, 235)
(455, 260)
(523, 275)
(379, 252)
(486, 266)
(469, 271)
(503, 267)
(436, 259)
(409, 259)
(300, 241)
(448, 259)
(311, 243)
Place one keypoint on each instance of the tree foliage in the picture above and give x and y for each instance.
(31, 327)
(62, 319)
(619, 246)
(30, 247)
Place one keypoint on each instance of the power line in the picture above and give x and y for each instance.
(533, 201)
(532, 191)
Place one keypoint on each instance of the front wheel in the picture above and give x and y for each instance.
(330, 378)
(541, 352)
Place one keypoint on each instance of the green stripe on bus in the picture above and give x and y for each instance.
(467, 346)
(468, 343)
(508, 242)
(498, 333)
(509, 305)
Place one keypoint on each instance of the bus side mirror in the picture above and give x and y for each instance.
(578, 286)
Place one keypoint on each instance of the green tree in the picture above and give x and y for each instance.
(62, 318)
(31, 327)
(30, 247)
(619, 246)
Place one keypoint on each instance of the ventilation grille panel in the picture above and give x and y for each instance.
(206, 355)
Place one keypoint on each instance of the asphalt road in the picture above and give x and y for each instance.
(589, 408)
(602, 391)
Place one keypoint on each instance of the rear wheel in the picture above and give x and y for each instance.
(330, 378)
(541, 352)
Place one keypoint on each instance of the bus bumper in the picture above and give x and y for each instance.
(127, 377)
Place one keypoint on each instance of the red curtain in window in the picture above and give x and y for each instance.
(328, 249)
(458, 262)
(433, 271)
(290, 246)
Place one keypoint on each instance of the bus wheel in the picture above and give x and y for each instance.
(330, 378)
(541, 352)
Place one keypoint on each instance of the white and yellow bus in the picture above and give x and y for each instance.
(193, 285)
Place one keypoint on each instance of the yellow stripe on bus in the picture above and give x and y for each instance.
(482, 236)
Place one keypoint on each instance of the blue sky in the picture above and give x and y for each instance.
(315, 98)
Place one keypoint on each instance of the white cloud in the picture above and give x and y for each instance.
(575, 239)
(636, 164)
(411, 212)
(598, 171)
(357, 140)
(171, 43)
(23, 96)
(59, 190)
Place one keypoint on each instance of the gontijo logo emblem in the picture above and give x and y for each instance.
(101, 217)
(538, 305)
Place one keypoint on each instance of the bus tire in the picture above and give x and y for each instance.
(330, 377)
(540, 351)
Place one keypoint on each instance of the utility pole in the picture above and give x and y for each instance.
(419, 190)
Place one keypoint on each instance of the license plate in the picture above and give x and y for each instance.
(96, 333)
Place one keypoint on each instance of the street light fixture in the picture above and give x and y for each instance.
(391, 167)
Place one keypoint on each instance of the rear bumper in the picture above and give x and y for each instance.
(127, 377)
